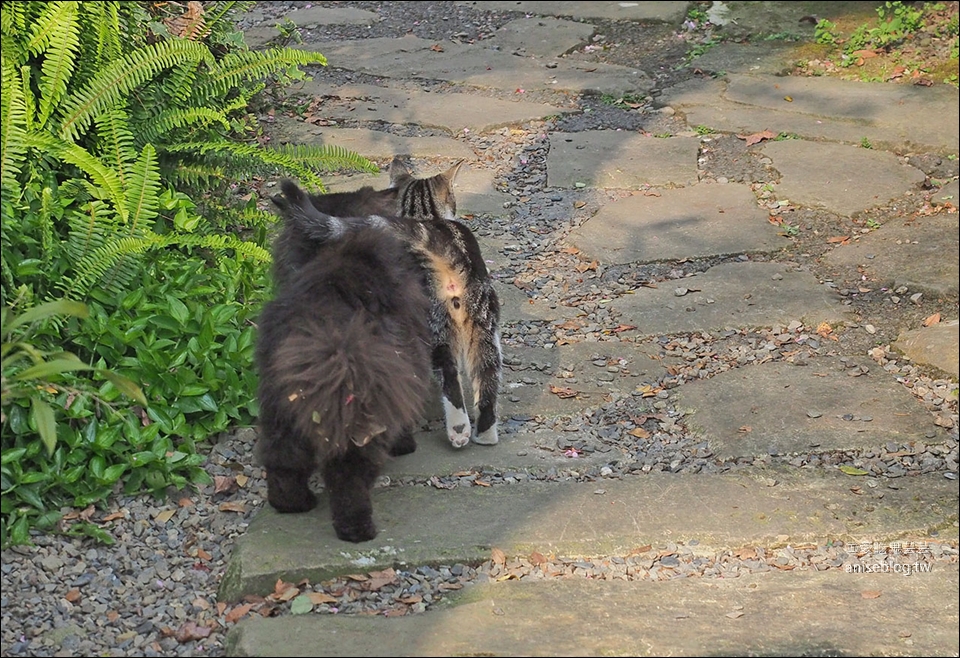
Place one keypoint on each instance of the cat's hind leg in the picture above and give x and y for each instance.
(486, 364)
(454, 408)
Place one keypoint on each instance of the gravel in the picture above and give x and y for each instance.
(153, 592)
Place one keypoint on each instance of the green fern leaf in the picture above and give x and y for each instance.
(45, 25)
(113, 83)
(252, 65)
(12, 123)
(144, 190)
(59, 59)
(116, 142)
(181, 119)
(103, 176)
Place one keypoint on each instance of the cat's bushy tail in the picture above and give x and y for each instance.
(345, 384)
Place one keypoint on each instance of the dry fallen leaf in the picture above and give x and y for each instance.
(536, 558)
(639, 432)
(233, 507)
(839, 239)
(165, 515)
(237, 613)
(756, 138)
(317, 598)
(498, 556)
(744, 429)
(73, 595)
(563, 391)
(870, 593)
(931, 320)
(191, 631)
(223, 483)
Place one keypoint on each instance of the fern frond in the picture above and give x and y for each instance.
(113, 83)
(327, 157)
(45, 25)
(252, 65)
(103, 176)
(13, 24)
(116, 141)
(101, 23)
(109, 267)
(220, 243)
(13, 118)
(143, 193)
(254, 158)
(217, 11)
(59, 59)
(180, 119)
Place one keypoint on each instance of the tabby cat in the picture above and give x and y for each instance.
(343, 356)
(465, 315)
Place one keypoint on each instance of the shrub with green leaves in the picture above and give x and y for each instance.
(125, 126)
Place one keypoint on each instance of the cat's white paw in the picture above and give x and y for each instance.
(487, 438)
(458, 425)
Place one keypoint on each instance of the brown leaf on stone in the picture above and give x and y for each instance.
(870, 593)
(317, 598)
(192, 631)
(584, 266)
(623, 327)
(437, 48)
(114, 517)
(237, 613)
(745, 429)
(73, 595)
(865, 54)
(639, 432)
(839, 239)
(931, 320)
(746, 553)
(411, 600)
(570, 250)
(379, 579)
(224, 483)
(233, 507)
(571, 325)
(756, 138)
(563, 392)
(498, 556)
(536, 558)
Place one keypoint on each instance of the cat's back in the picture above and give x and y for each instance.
(360, 203)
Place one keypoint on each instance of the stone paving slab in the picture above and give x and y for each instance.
(449, 111)
(606, 517)
(692, 222)
(923, 255)
(732, 295)
(949, 194)
(902, 117)
(938, 346)
(840, 178)
(531, 372)
(373, 144)
(542, 37)
(791, 409)
(616, 159)
(516, 306)
(308, 18)
(666, 12)
(785, 614)
(479, 66)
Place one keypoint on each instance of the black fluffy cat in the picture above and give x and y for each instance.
(343, 354)
(465, 315)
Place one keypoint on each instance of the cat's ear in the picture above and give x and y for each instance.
(398, 172)
(451, 173)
